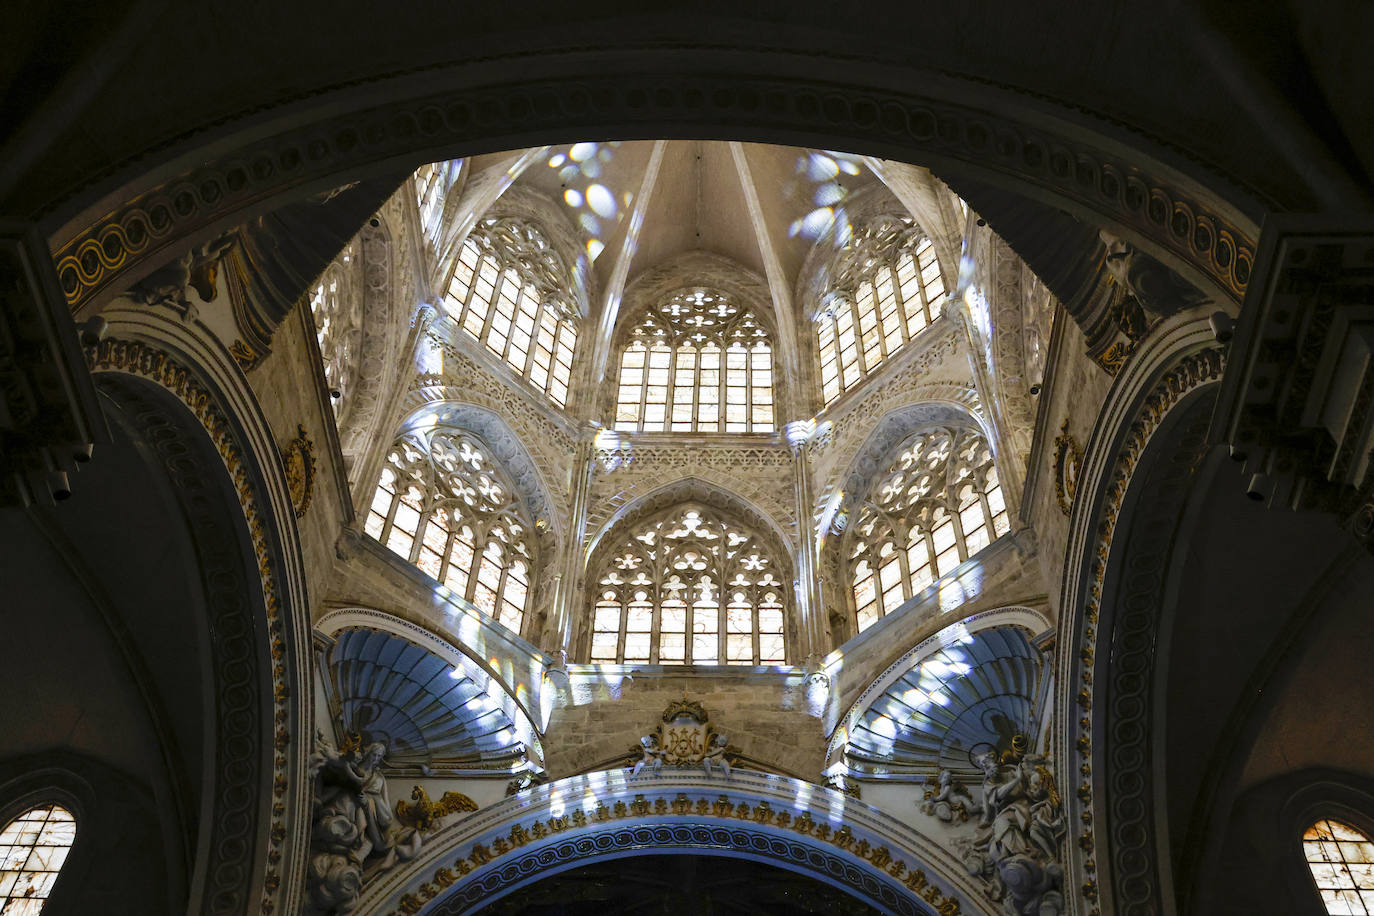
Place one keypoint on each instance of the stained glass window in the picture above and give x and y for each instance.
(447, 508)
(509, 292)
(338, 312)
(1341, 860)
(886, 288)
(33, 848)
(690, 587)
(938, 504)
(698, 362)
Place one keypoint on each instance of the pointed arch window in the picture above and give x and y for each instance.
(886, 290)
(509, 291)
(432, 182)
(337, 308)
(697, 362)
(33, 848)
(445, 506)
(689, 587)
(938, 504)
(1341, 860)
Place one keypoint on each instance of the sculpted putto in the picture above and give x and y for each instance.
(351, 837)
(1019, 832)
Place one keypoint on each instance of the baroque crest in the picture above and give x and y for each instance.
(684, 737)
(299, 458)
(1068, 461)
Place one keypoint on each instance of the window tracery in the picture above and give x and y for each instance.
(447, 508)
(509, 292)
(938, 504)
(688, 587)
(1341, 860)
(697, 362)
(338, 313)
(33, 848)
(432, 182)
(885, 289)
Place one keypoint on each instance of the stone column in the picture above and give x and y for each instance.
(811, 631)
(565, 606)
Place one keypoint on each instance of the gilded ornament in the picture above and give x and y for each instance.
(299, 458)
(1068, 464)
(424, 814)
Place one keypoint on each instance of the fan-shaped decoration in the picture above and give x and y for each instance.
(975, 693)
(422, 708)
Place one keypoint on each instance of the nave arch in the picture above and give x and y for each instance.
(599, 816)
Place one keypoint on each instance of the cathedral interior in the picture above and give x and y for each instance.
(706, 459)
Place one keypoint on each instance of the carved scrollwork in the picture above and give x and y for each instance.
(424, 815)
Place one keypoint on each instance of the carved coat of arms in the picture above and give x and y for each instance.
(683, 737)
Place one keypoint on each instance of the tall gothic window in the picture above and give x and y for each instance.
(33, 848)
(697, 362)
(509, 292)
(689, 587)
(337, 310)
(885, 289)
(432, 182)
(1341, 860)
(938, 504)
(449, 510)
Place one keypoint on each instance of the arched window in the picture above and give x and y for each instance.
(337, 310)
(938, 504)
(449, 510)
(689, 587)
(697, 362)
(885, 289)
(432, 182)
(33, 848)
(509, 291)
(1341, 860)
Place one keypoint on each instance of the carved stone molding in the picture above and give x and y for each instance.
(49, 417)
(796, 824)
(1125, 784)
(239, 705)
(1069, 166)
(1299, 408)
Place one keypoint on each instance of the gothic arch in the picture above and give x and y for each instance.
(894, 428)
(694, 489)
(507, 447)
(380, 338)
(688, 491)
(712, 272)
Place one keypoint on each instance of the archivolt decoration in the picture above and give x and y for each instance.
(689, 585)
(939, 504)
(444, 506)
(238, 730)
(788, 822)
